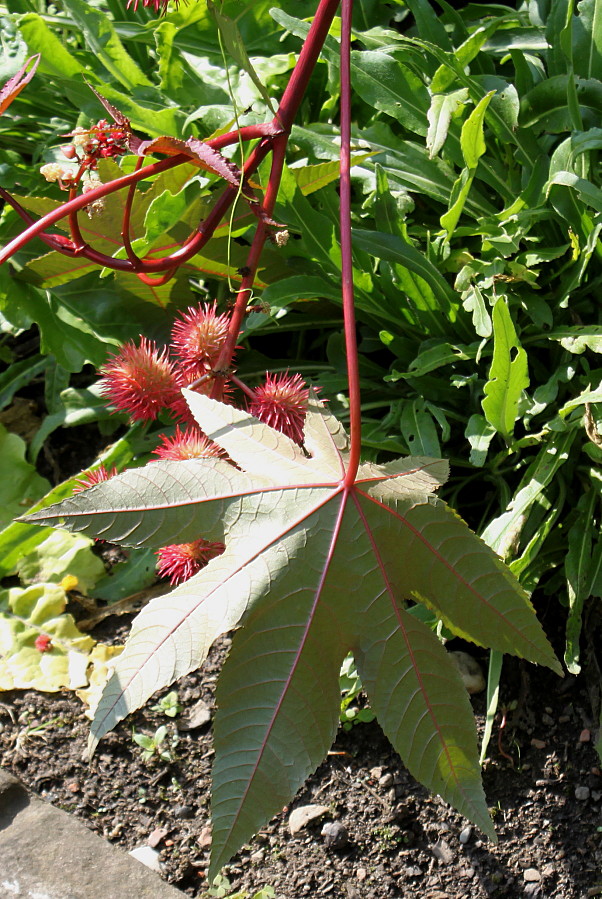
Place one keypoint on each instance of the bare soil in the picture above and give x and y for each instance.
(542, 781)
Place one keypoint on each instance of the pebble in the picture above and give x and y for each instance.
(538, 744)
(361, 874)
(582, 793)
(335, 835)
(465, 835)
(258, 856)
(148, 857)
(585, 735)
(184, 811)
(204, 838)
(442, 852)
(470, 671)
(199, 716)
(531, 875)
(377, 772)
(303, 814)
(386, 780)
(158, 834)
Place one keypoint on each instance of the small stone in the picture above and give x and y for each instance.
(585, 735)
(582, 793)
(470, 671)
(531, 875)
(596, 795)
(465, 835)
(377, 772)
(158, 834)
(148, 857)
(258, 856)
(442, 852)
(204, 838)
(548, 871)
(184, 811)
(547, 720)
(538, 744)
(532, 889)
(386, 780)
(73, 786)
(361, 874)
(467, 872)
(199, 716)
(335, 835)
(303, 814)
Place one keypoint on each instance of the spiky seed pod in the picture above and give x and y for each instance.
(188, 444)
(179, 562)
(140, 380)
(89, 478)
(281, 402)
(197, 339)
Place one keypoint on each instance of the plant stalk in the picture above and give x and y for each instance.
(353, 377)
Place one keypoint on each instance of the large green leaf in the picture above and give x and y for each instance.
(313, 568)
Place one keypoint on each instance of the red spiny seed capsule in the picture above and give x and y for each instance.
(140, 380)
(90, 478)
(188, 444)
(43, 643)
(281, 402)
(198, 337)
(179, 562)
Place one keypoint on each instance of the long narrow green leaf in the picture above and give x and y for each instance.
(508, 375)
(105, 43)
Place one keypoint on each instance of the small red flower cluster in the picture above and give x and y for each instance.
(144, 381)
(160, 6)
(43, 643)
(102, 141)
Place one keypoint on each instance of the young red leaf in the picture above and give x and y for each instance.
(115, 114)
(15, 85)
(312, 569)
(199, 153)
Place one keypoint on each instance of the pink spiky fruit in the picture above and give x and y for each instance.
(188, 444)
(179, 562)
(281, 402)
(89, 478)
(140, 380)
(197, 338)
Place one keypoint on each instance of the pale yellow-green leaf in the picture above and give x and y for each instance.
(26, 614)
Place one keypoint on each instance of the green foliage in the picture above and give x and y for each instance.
(157, 746)
(351, 687)
(169, 705)
(220, 889)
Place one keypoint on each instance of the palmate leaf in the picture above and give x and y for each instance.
(312, 569)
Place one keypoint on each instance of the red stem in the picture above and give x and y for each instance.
(353, 377)
(127, 215)
(249, 132)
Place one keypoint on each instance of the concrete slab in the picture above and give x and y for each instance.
(47, 854)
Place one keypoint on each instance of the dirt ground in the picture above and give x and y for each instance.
(542, 781)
